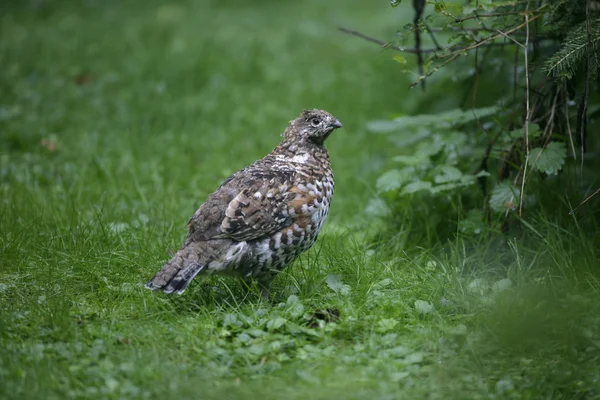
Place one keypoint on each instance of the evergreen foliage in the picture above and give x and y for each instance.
(577, 45)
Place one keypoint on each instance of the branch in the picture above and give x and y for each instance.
(419, 6)
(475, 45)
(512, 39)
(387, 45)
(434, 70)
(383, 44)
(433, 39)
(586, 199)
(459, 20)
(569, 123)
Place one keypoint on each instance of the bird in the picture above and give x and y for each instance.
(262, 217)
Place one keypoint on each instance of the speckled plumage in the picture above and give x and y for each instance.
(263, 216)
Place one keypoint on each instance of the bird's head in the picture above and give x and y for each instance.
(311, 127)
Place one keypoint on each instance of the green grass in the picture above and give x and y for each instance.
(151, 105)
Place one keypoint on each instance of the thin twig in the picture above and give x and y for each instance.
(462, 28)
(475, 45)
(433, 39)
(448, 61)
(527, 114)
(473, 83)
(510, 38)
(387, 45)
(480, 29)
(569, 124)
(586, 199)
(459, 20)
(548, 129)
(383, 44)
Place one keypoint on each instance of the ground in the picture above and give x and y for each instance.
(117, 119)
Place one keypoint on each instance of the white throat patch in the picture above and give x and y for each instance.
(300, 158)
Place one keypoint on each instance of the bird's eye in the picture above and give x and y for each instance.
(315, 122)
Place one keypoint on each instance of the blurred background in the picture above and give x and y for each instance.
(180, 94)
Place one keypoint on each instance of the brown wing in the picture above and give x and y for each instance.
(260, 206)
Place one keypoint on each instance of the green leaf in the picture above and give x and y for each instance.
(294, 307)
(256, 349)
(502, 285)
(231, 320)
(458, 330)
(275, 323)
(429, 148)
(446, 186)
(473, 224)
(423, 307)
(335, 283)
(549, 159)
(386, 325)
(411, 160)
(534, 132)
(394, 179)
(504, 197)
(443, 120)
(382, 283)
(465, 180)
(398, 376)
(399, 59)
(448, 174)
(414, 358)
(416, 186)
(453, 138)
(376, 207)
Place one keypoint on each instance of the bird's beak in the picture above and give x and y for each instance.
(336, 124)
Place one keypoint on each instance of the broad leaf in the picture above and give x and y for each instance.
(549, 159)
(398, 58)
(448, 174)
(423, 307)
(416, 186)
(275, 323)
(386, 325)
(394, 179)
(335, 283)
(504, 197)
(473, 223)
(446, 186)
(429, 148)
(376, 207)
(446, 119)
(502, 285)
(412, 160)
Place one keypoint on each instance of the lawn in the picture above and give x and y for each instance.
(117, 119)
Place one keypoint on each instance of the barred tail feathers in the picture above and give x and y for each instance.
(189, 261)
(179, 271)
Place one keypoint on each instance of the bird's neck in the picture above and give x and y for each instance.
(295, 149)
